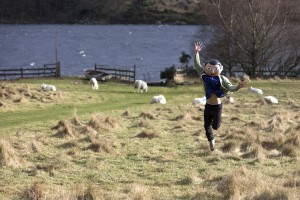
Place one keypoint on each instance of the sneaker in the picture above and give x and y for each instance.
(212, 145)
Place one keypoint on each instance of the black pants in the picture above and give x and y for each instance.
(212, 119)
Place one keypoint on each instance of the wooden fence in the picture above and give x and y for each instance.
(48, 70)
(126, 74)
(266, 73)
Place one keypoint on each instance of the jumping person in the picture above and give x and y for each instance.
(216, 86)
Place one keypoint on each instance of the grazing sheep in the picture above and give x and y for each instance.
(94, 83)
(270, 99)
(48, 87)
(159, 99)
(255, 90)
(199, 101)
(140, 86)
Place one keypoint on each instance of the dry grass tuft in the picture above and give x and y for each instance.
(277, 123)
(111, 122)
(262, 101)
(148, 134)
(99, 123)
(272, 195)
(138, 192)
(64, 129)
(103, 145)
(292, 183)
(126, 113)
(69, 144)
(34, 192)
(35, 147)
(145, 122)
(238, 183)
(147, 115)
(2, 104)
(75, 120)
(88, 130)
(20, 99)
(289, 150)
(293, 139)
(87, 193)
(255, 151)
(8, 156)
(231, 146)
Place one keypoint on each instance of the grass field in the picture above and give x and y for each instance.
(77, 143)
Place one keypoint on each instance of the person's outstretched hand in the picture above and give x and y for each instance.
(242, 84)
(198, 47)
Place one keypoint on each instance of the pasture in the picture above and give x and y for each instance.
(111, 143)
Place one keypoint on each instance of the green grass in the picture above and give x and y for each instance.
(257, 153)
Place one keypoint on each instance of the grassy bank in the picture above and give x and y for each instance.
(76, 143)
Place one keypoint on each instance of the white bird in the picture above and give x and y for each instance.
(255, 90)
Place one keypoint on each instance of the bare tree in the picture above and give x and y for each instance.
(253, 35)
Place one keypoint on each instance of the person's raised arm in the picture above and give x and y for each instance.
(197, 64)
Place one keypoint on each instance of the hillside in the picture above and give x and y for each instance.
(111, 143)
(159, 11)
(101, 12)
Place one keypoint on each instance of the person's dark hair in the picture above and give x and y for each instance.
(214, 62)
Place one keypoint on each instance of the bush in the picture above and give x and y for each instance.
(168, 73)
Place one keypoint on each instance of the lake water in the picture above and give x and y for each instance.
(151, 48)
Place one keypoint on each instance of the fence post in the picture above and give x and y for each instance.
(58, 69)
(21, 72)
(95, 66)
(134, 67)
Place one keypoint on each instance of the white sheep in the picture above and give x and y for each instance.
(94, 83)
(159, 99)
(140, 86)
(270, 99)
(255, 90)
(48, 87)
(199, 101)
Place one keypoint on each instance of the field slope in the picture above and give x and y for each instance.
(77, 143)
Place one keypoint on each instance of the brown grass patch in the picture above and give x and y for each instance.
(2, 104)
(69, 144)
(272, 195)
(279, 122)
(87, 193)
(8, 156)
(145, 122)
(138, 192)
(75, 120)
(255, 151)
(64, 129)
(148, 134)
(35, 147)
(88, 130)
(289, 150)
(147, 115)
(239, 183)
(126, 113)
(34, 192)
(100, 123)
(103, 145)
(231, 146)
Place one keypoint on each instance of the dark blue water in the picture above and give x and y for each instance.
(151, 48)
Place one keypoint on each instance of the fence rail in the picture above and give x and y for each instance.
(48, 70)
(292, 73)
(126, 74)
